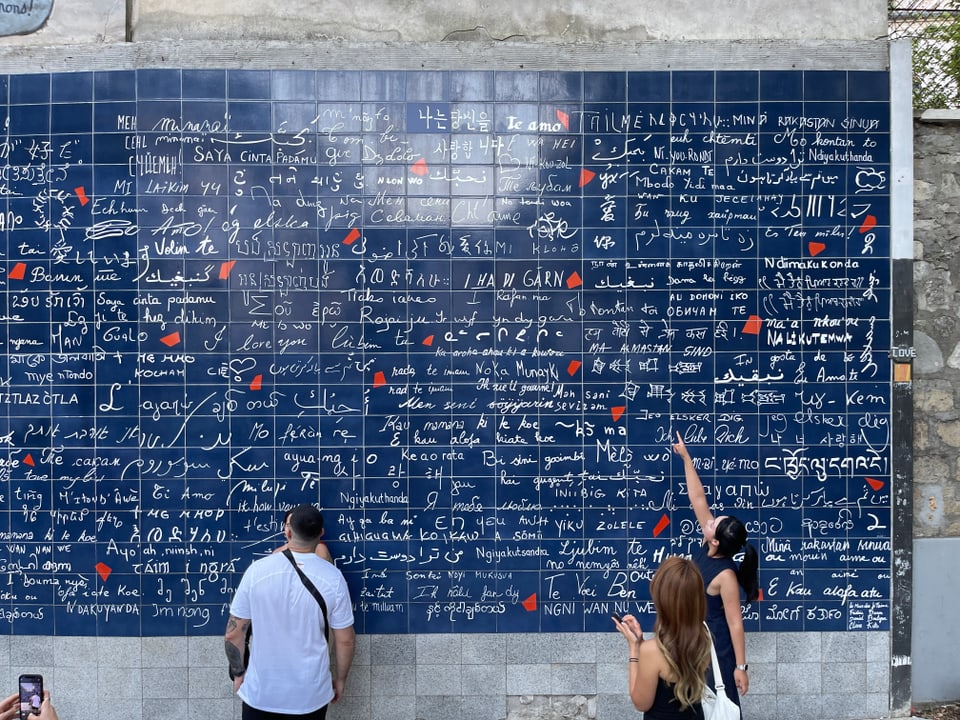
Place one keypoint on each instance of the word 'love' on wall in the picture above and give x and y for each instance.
(465, 313)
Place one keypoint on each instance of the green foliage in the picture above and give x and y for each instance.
(936, 59)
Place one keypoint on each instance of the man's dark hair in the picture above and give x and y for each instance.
(306, 522)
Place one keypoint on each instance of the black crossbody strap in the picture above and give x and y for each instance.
(313, 591)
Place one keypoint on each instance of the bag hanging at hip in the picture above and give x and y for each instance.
(716, 705)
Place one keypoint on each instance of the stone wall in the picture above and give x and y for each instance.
(488, 21)
(560, 21)
(72, 22)
(937, 328)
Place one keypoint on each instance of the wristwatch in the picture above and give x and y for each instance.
(743, 667)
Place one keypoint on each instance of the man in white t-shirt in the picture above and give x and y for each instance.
(289, 672)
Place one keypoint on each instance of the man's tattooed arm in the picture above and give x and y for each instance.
(235, 641)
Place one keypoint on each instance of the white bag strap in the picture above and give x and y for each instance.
(717, 677)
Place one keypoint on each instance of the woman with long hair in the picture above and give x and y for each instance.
(723, 579)
(667, 674)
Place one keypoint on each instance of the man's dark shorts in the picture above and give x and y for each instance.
(250, 713)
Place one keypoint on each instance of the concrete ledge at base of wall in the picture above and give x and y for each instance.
(939, 116)
(573, 676)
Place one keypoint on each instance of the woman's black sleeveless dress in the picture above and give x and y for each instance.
(666, 707)
(710, 567)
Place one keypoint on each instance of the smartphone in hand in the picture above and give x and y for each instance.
(616, 617)
(31, 695)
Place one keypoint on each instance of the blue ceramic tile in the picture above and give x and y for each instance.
(604, 86)
(824, 85)
(250, 116)
(248, 84)
(115, 117)
(111, 149)
(155, 84)
(691, 85)
(75, 118)
(383, 85)
(292, 117)
(210, 116)
(468, 85)
(115, 85)
(427, 85)
(27, 89)
(71, 87)
(31, 620)
(161, 116)
(734, 86)
(866, 85)
(517, 118)
(427, 117)
(868, 117)
(204, 84)
(561, 86)
(294, 85)
(29, 119)
(648, 86)
(516, 86)
(339, 85)
(781, 85)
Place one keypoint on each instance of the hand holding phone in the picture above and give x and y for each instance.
(628, 627)
(31, 695)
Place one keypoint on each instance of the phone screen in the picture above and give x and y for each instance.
(31, 695)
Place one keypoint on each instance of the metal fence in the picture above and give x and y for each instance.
(934, 28)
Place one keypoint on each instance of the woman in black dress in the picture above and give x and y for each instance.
(667, 673)
(723, 538)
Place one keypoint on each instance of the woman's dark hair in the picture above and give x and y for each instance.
(731, 535)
